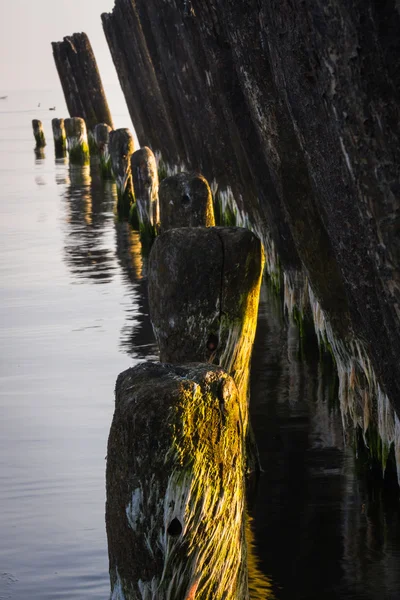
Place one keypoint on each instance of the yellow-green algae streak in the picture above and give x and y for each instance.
(212, 461)
(237, 337)
(205, 492)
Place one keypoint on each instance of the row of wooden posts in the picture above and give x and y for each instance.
(181, 200)
(180, 444)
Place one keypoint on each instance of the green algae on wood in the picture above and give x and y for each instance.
(121, 148)
(175, 485)
(60, 137)
(145, 183)
(186, 201)
(101, 136)
(78, 148)
(38, 133)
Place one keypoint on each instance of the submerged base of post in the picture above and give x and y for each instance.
(102, 140)
(145, 182)
(175, 485)
(60, 137)
(78, 147)
(38, 133)
(121, 148)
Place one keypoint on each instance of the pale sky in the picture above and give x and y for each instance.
(27, 28)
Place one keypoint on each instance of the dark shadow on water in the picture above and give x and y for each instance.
(320, 530)
(137, 337)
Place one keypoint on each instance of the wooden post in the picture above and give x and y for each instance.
(60, 137)
(185, 201)
(80, 80)
(150, 113)
(38, 133)
(121, 149)
(145, 184)
(175, 485)
(78, 147)
(102, 140)
(204, 286)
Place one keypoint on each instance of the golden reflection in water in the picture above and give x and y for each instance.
(135, 250)
(88, 209)
(62, 175)
(260, 587)
(79, 175)
(80, 178)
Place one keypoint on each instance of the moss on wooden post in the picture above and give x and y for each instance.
(78, 147)
(101, 136)
(175, 485)
(145, 183)
(38, 133)
(185, 201)
(60, 137)
(121, 148)
(204, 286)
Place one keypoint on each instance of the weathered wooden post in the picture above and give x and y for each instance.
(60, 137)
(78, 147)
(80, 80)
(102, 140)
(185, 201)
(145, 184)
(204, 286)
(121, 149)
(175, 485)
(38, 133)
(39, 154)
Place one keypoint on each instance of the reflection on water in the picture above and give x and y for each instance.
(90, 252)
(89, 206)
(62, 176)
(370, 529)
(39, 180)
(260, 586)
(137, 334)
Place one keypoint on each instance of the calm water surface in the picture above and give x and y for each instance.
(73, 314)
(71, 318)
